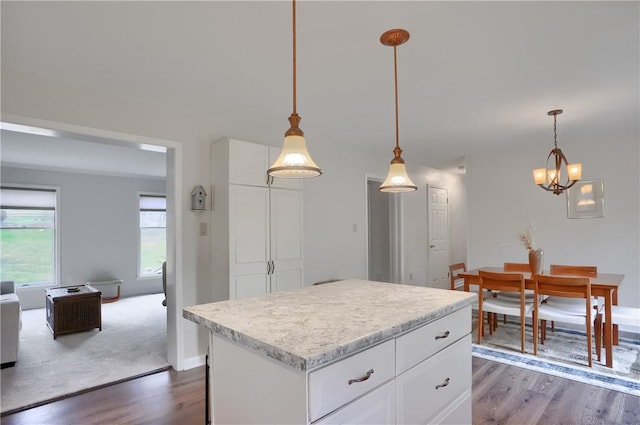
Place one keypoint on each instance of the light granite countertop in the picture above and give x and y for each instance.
(309, 327)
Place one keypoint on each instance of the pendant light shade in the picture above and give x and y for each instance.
(397, 180)
(294, 161)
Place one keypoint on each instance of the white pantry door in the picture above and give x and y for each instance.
(437, 205)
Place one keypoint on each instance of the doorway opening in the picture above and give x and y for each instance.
(174, 348)
(383, 234)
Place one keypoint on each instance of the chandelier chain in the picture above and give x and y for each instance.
(555, 132)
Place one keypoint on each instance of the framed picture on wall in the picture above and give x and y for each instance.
(586, 199)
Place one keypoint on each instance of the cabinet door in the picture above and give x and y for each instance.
(441, 379)
(282, 183)
(248, 235)
(248, 286)
(377, 407)
(248, 163)
(286, 280)
(286, 239)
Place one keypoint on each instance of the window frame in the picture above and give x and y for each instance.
(139, 195)
(57, 234)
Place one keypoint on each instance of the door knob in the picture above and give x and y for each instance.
(432, 246)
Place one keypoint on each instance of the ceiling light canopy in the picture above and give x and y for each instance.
(397, 180)
(549, 178)
(294, 161)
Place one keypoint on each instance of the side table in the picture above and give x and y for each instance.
(73, 309)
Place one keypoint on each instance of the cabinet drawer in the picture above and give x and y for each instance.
(377, 407)
(422, 343)
(426, 389)
(329, 386)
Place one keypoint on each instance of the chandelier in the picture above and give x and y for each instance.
(294, 161)
(549, 179)
(397, 180)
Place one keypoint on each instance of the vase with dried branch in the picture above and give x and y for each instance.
(536, 255)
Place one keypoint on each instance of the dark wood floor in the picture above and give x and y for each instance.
(502, 394)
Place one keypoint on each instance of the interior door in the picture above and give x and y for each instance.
(437, 205)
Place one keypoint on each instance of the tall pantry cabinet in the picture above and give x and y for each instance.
(256, 222)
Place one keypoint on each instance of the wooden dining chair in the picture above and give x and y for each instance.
(457, 282)
(561, 269)
(573, 304)
(578, 288)
(503, 282)
(454, 269)
(516, 267)
(620, 315)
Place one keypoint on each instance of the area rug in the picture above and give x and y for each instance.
(564, 354)
(133, 342)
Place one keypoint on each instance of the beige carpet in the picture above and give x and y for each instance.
(133, 341)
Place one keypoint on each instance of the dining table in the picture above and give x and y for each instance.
(603, 285)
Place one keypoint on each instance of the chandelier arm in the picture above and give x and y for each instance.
(558, 165)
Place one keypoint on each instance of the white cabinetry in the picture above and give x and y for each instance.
(419, 377)
(256, 236)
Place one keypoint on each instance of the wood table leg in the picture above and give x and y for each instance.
(615, 327)
(608, 330)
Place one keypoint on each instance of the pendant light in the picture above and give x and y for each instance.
(549, 178)
(397, 180)
(294, 161)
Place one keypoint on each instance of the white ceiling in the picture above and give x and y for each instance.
(42, 152)
(474, 75)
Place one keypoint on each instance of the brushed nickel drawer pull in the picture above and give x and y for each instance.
(446, 334)
(444, 384)
(364, 378)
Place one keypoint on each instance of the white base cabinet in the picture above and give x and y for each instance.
(420, 377)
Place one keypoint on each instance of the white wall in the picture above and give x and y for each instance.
(416, 225)
(503, 199)
(333, 203)
(336, 201)
(98, 229)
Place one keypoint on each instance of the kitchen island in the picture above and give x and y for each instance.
(351, 351)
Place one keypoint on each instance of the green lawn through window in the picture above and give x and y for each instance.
(27, 255)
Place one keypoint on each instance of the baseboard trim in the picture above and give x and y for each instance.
(192, 362)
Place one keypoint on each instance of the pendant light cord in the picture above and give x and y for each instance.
(395, 71)
(294, 57)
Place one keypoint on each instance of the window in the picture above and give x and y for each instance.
(28, 235)
(153, 234)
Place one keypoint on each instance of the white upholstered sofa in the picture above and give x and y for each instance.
(10, 324)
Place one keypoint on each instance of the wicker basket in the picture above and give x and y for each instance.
(70, 310)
